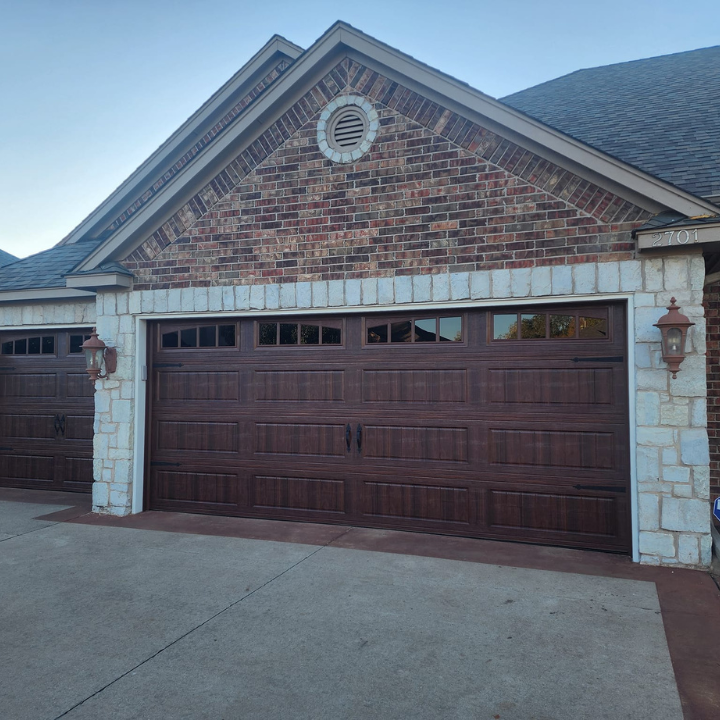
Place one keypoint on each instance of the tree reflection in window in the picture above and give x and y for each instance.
(415, 330)
(533, 326)
(273, 333)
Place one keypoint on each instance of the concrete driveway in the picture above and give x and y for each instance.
(116, 621)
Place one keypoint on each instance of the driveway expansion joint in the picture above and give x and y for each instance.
(198, 626)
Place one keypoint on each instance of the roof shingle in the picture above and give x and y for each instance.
(661, 114)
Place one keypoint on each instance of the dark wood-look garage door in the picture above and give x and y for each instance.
(497, 424)
(46, 411)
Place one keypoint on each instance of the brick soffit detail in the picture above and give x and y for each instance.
(464, 133)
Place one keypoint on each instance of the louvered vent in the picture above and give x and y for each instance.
(348, 130)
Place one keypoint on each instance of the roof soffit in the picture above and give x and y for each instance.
(344, 41)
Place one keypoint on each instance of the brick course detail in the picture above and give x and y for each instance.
(436, 192)
(712, 312)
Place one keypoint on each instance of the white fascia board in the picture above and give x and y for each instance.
(341, 41)
(148, 172)
(44, 294)
(578, 152)
(99, 280)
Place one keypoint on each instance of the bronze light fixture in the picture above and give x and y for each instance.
(673, 326)
(97, 354)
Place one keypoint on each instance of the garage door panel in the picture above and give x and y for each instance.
(206, 437)
(190, 488)
(26, 469)
(540, 387)
(29, 386)
(556, 513)
(28, 426)
(78, 473)
(552, 448)
(413, 442)
(301, 438)
(298, 494)
(78, 385)
(417, 502)
(412, 385)
(197, 385)
(299, 386)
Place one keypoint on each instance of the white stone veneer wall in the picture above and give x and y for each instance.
(672, 445)
(57, 314)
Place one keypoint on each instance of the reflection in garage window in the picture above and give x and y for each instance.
(35, 345)
(76, 342)
(298, 334)
(204, 336)
(529, 326)
(416, 330)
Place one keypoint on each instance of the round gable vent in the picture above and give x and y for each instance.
(347, 128)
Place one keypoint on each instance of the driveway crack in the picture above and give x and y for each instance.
(199, 625)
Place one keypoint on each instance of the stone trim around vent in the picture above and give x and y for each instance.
(671, 438)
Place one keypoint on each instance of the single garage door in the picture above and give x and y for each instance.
(484, 423)
(46, 411)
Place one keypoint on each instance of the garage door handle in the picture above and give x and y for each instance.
(358, 437)
(348, 436)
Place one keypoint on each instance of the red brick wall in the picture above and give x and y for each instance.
(436, 191)
(712, 314)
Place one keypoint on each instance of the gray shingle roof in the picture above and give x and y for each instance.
(661, 114)
(46, 269)
(6, 258)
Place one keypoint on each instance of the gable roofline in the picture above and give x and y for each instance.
(194, 127)
(342, 40)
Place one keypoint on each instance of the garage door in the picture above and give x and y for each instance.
(495, 423)
(46, 411)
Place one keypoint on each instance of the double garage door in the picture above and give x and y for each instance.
(484, 423)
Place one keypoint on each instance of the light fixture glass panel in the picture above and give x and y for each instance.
(562, 326)
(505, 327)
(674, 341)
(451, 329)
(426, 330)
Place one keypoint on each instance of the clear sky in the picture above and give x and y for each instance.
(89, 88)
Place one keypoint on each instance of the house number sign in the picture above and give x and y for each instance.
(677, 237)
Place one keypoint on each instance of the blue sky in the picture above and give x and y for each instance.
(90, 88)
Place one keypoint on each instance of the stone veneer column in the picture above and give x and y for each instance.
(672, 445)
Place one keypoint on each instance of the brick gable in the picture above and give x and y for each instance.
(435, 192)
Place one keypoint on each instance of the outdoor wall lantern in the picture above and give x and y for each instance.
(673, 326)
(97, 354)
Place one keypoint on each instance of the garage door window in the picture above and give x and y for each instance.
(203, 336)
(414, 330)
(586, 325)
(35, 345)
(303, 333)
